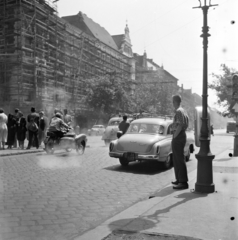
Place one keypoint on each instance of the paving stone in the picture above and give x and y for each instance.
(66, 194)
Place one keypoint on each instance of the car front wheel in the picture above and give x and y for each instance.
(168, 162)
(124, 162)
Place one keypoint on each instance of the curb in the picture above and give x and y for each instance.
(20, 153)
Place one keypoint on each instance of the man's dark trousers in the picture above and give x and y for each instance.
(31, 134)
(179, 163)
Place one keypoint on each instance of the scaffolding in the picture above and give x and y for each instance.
(45, 61)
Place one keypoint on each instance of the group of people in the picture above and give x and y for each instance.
(16, 128)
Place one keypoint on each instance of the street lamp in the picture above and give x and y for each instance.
(204, 168)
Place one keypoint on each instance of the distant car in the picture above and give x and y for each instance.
(112, 129)
(96, 130)
(231, 126)
(147, 139)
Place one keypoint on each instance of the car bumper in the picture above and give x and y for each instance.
(139, 157)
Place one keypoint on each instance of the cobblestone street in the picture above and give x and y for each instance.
(63, 195)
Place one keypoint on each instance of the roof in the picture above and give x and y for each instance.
(152, 62)
(83, 22)
(152, 121)
(118, 39)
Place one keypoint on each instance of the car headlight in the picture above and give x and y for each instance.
(157, 149)
(111, 146)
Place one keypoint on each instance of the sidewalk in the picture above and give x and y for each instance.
(16, 151)
(184, 214)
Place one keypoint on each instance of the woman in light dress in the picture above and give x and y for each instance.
(3, 129)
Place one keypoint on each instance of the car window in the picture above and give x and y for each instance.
(96, 126)
(146, 128)
(169, 131)
(114, 123)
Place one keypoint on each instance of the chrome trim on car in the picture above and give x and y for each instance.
(140, 157)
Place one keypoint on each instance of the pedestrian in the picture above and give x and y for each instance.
(77, 130)
(21, 130)
(123, 126)
(67, 118)
(32, 127)
(42, 127)
(16, 117)
(12, 128)
(3, 129)
(179, 126)
(212, 130)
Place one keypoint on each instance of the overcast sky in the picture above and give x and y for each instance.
(169, 31)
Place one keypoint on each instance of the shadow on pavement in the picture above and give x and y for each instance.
(142, 223)
(148, 168)
(185, 198)
(136, 224)
(164, 192)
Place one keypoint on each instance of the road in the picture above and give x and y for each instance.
(64, 195)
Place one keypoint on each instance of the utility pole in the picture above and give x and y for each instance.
(204, 168)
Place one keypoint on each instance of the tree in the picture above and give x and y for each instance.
(222, 86)
(153, 94)
(107, 94)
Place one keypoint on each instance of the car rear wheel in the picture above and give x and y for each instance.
(168, 162)
(124, 162)
(80, 147)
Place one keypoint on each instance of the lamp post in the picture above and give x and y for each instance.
(204, 168)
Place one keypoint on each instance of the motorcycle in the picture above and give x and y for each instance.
(69, 141)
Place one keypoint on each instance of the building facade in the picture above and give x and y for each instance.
(46, 60)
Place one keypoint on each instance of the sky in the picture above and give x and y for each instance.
(169, 31)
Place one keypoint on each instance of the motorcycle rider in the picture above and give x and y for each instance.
(58, 126)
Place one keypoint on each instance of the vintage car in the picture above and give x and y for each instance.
(112, 129)
(148, 139)
(97, 130)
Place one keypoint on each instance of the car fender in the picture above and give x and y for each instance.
(81, 137)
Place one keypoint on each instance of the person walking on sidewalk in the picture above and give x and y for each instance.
(179, 126)
(42, 127)
(3, 129)
(21, 130)
(33, 126)
(12, 129)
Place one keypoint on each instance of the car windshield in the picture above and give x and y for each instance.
(114, 123)
(146, 128)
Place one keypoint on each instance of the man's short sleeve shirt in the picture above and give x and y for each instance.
(180, 118)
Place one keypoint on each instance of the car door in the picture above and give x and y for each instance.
(165, 144)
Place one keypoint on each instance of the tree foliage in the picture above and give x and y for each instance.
(153, 94)
(222, 86)
(106, 95)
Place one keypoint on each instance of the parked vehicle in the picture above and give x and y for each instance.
(96, 130)
(231, 126)
(68, 142)
(147, 139)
